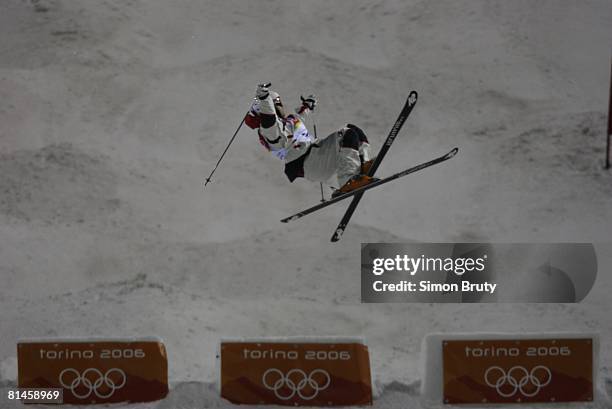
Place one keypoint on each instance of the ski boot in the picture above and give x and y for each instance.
(353, 183)
(365, 167)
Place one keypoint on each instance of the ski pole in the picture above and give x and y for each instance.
(229, 144)
(314, 127)
(225, 151)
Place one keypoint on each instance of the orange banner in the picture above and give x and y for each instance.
(96, 371)
(296, 374)
(503, 371)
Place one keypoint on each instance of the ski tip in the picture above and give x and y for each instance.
(291, 218)
(412, 98)
(337, 235)
(453, 152)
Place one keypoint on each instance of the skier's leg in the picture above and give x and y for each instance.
(349, 163)
(340, 153)
(354, 150)
(320, 165)
(364, 149)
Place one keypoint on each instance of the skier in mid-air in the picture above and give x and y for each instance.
(345, 152)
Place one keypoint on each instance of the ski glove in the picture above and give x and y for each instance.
(263, 90)
(309, 102)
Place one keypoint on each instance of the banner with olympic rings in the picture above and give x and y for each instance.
(96, 371)
(293, 373)
(518, 371)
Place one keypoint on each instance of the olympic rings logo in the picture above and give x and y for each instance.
(296, 382)
(82, 385)
(518, 377)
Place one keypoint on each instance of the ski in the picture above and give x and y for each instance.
(359, 191)
(399, 122)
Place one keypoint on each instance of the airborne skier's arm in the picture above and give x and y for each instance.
(272, 128)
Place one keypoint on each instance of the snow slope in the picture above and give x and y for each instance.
(112, 113)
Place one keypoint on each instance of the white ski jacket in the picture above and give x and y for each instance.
(288, 138)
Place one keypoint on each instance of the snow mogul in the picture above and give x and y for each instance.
(345, 152)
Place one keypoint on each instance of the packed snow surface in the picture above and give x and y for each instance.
(113, 112)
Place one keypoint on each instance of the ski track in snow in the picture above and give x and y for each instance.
(112, 113)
